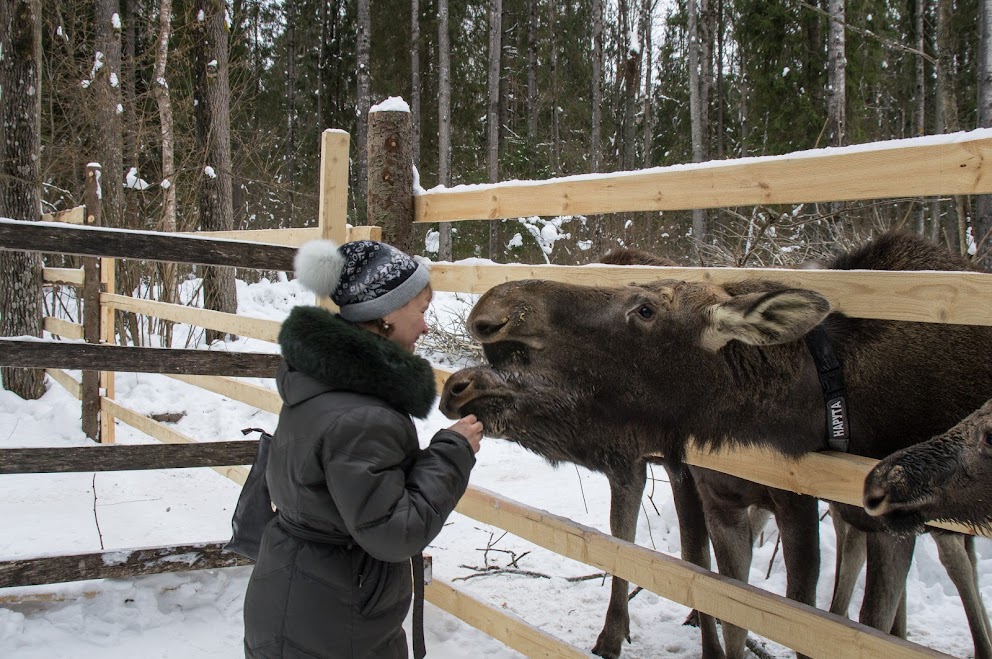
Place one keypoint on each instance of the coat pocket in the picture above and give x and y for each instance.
(381, 585)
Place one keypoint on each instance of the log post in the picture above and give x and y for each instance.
(390, 150)
(91, 305)
(332, 214)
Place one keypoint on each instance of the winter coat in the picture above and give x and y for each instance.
(356, 495)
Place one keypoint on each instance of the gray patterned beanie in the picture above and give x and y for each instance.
(365, 278)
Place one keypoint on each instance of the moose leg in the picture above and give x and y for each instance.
(851, 553)
(625, 500)
(799, 524)
(730, 532)
(889, 557)
(695, 545)
(954, 556)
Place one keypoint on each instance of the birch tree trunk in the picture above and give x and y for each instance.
(836, 87)
(20, 192)
(555, 118)
(647, 18)
(532, 15)
(706, 26)
(947, 104)
(444, 119)
(290, 144)
(492, 113)
(595, 135)
(213, 119)
(415, 78)
(696, 113)
(920, 105)
(163, 100)
(836, 75)
(983, 203)
(363, 48)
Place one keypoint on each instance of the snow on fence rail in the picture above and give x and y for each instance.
(945, 165)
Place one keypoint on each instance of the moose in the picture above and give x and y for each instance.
(607, 376)
(946, 478)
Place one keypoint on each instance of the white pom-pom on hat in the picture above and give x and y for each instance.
(318, 266)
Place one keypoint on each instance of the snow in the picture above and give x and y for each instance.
(391, 104)
(134, 182)
(198, 614)
(926, 140)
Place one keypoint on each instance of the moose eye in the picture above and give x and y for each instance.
(987, 438)
(645, 312)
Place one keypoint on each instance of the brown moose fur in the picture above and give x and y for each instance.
(605, 376)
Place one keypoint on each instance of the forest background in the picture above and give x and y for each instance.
(207, 114)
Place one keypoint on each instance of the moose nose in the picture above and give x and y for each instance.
(485, 328)
(876, 501)
(458, 391)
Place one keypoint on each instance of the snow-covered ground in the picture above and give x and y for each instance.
(198, 614)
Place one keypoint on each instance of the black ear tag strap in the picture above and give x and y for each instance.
(831, 375)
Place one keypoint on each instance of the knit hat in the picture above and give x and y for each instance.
(365, 278)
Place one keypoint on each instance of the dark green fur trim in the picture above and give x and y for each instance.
(350, 358)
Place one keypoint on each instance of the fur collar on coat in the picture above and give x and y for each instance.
(347, 357)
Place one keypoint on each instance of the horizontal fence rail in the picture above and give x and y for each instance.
(126, 458)
(805, 629)
(21, 353)
(507, 628)
(256, 328)
(959, 163)
(930, 297)
(120, 564)
(826, 475)
(143, 245)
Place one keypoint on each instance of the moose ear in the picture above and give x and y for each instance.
(763, 319)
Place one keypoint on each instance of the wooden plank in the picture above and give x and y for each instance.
(249, 394)
(75, 215)
(332, 211)
(509, 629)
(801, 627)
(132, 457)
(365, 233)
(826, 475)
(960, 163)
(930, 297)
(71, 276)
(256, 328)
(22, 353)
(68, 383)
(441, 376)
(120, 564)
(166, 435)
(290, 237)
(108, 329)
(63, 328)
(287, 237)
(145, 245)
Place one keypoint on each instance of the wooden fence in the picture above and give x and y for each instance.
(957, 164)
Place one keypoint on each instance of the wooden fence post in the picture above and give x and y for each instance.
(108, 276)
(91, 305)
(332, 214)
(390, 202)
